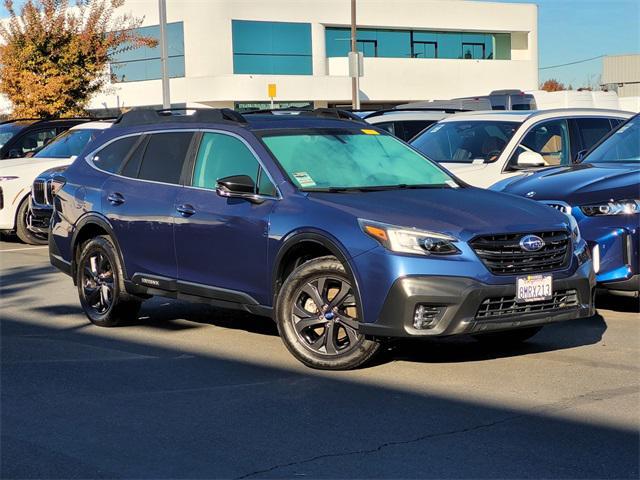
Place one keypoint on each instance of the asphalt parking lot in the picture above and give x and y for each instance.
(190, 391)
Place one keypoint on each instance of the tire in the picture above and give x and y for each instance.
(509, 337)
(322, 336)
(101, 285)
(22, 228)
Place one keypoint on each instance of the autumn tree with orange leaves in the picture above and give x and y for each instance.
(54, 55)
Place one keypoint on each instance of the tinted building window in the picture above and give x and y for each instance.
(420, 44)
(110, 158)
(144, 63)
(164, 157)
(277, 48)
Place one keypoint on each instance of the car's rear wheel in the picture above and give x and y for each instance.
(317, 316)
(23, 221)
(509, 337)
(101, 285)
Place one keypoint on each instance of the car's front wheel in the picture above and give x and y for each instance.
(101, 285)
(23, 222)
(317, 317)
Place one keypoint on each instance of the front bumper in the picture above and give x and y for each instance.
(40, 217)
(459, 300)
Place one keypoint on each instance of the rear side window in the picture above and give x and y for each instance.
(110, 158)
(164, 157)
(592, 130)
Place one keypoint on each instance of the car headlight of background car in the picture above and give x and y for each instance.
(621, 207)
(409, 240)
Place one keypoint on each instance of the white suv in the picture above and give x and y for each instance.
(483, 148)
(17, 175)
(406, 123)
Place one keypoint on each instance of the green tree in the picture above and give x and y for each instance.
(54, 56)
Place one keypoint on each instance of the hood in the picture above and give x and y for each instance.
(18, 166)
(460, 212)
(580, 184)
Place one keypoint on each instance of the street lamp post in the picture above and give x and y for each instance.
(355, 79)
(164, 54)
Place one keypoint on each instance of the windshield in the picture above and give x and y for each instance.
(7, 132)
(68, 144)
(621, 146)
(359, 160)
(465, 141)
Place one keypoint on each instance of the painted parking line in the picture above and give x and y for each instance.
(22, 249)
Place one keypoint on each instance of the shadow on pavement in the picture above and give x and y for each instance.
(88, 407)
(618, 303)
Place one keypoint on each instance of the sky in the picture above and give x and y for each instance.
(574, 30)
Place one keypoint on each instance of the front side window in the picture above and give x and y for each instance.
(164, 157)
(621, 146)
(221, 156)
(69, 144)
(551, 140)
(592, 130)
(465, 141)
(111, 157)
(348, 159)
(34, 140)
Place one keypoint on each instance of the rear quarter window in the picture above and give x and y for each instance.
(111, 157)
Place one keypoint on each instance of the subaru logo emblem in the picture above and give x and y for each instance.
(531, 243)
(531, 194)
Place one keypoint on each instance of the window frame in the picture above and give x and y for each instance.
(474, 44)
(423, 42)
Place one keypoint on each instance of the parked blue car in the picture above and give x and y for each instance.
(340, 232)
(602, 193)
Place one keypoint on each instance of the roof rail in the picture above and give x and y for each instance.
(52, 119)
(334, 113)
(379, 113)
(150, 116)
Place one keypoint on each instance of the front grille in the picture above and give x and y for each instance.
(37, 191)
(500, 307)
(503, 255)
(42, 192)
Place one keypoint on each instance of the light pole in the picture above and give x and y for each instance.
(355, 80)
(164, 54)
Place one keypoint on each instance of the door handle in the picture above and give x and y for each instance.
(185, 210)
(115, 198)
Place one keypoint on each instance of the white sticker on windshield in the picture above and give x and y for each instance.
(304, 179)
(434, 129)
(477, 161)
(452, 184)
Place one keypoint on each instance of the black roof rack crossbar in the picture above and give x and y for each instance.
(379, 113)
(150, 116)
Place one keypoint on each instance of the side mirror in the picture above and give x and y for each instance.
(238, 186)
(529, 159)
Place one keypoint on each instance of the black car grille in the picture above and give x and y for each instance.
(41, 192)
(503, 255)
(499, 307)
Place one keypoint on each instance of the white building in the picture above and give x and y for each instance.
(621, 73)
(226, 52)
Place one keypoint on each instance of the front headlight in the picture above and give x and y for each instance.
(409, 240)
(621, 207)
(575, 229)
(4, 178)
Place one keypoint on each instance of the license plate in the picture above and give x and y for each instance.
(533, 288)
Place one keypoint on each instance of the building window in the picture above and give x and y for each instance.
(420, 44)
(275, 48)
(144, 63)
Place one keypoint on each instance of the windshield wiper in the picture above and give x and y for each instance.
(377, 188)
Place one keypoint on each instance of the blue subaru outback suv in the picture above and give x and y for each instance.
(340, 232)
